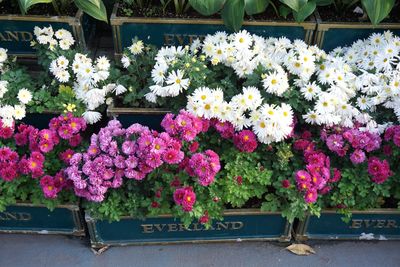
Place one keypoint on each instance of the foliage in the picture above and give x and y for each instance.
(94, 8)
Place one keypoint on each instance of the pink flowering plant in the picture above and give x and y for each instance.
(142, 172)
(32, 161)
(139, 172)
(347, 169)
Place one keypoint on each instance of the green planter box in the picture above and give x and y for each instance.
(39, 120)
(162, 31)
(330, 35)
(16, 31)
(238, 225)
(150, 117)
(364, 225)
(29, 218)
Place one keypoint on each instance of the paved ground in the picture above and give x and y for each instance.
(59, 251)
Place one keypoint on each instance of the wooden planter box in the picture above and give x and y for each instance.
(330, 35)
(28, 218)
(39, 120)
(163, 31)
(378, 224)
(16, 31)
(238, 225)
(150, 117)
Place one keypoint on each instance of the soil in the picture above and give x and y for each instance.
(11, 7)
(329, 13)
(156, 11)
(390, 203)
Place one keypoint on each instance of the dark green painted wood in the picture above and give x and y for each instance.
(150, 120)
(16, 27)
(181, 34)
(40, 219)
(38, 120)
(331, 226)
(131, 231)
(344, 37)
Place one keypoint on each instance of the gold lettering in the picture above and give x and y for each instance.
(2, 38)
(16, 216)
(172, 227)
(160, 227)
(26, 36)
(356, 224)
(391, 224)
(237, 225)
(183, 228)
(181, 39)
(12, 215)
(380, 224)
(192, 37)
(12, 35)
(24, 216)
(369, 223)
(147, 228)
(221, 225)
(169, 39)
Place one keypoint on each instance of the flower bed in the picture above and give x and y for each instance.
(36, 196)
(255, 123)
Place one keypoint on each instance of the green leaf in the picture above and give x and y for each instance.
(284, 11)
(255, 6)
(207, 7)
(377, 10)
(305, 11)
(324, 2)
(295, 5)
(96, 2)
(92, 10)
(24, 5)
(233, 13)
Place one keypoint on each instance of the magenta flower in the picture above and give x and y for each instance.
(75, 140)
(303, 176)
(285, 183)
(46, 146)
(154, 160)
(335, 142)
(188, 200)
(311, 196)
(301, 144)
(8, 173)
(379, 170)
(172, 156)
(245, 141)
(65, 132)
(178, 196)
(358, 156)
(204, 218)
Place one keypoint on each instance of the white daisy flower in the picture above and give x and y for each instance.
(24, 96)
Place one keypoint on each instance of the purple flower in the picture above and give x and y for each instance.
(358, 156)
(335, 142)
